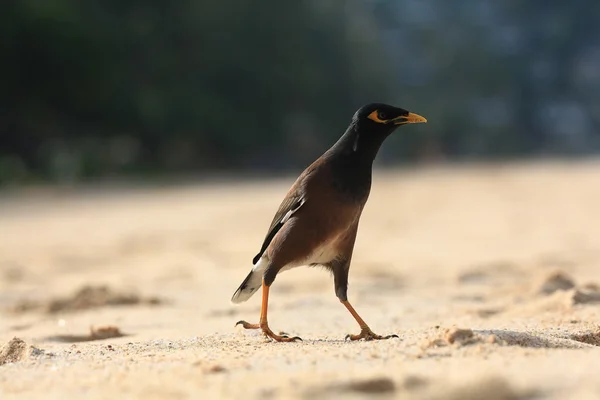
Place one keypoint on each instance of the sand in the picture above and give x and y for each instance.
(489, 275)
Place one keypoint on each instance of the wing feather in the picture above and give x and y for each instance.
(290, 205)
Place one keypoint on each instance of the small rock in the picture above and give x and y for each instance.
(413, 382)
(13, 272)
(371, 386)
(215, 369)
(491, 388)
(554, 282)
(105, 332)
(35, 352)
(14, 351)
(591, 287)
(209, 368)
(457, 335)
(585, 297)
(376, 385)
(492, 339)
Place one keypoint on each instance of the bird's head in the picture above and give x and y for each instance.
(383, 118)
(370, 126)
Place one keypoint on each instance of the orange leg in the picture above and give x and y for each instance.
(365, 332)
(263, 324)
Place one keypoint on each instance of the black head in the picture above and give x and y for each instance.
(383, 118)
(370, 125)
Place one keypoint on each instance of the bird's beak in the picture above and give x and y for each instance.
(410, 118)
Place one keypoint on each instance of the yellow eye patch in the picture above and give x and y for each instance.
(375, 117)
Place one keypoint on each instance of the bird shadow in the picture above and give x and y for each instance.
(100, 333)
(79, 338)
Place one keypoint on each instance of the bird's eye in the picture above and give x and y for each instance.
(381, 115)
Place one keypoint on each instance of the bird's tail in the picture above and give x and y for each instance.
(251, 284)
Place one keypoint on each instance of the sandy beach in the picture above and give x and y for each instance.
(489, 275)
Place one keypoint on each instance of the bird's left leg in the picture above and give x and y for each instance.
(263, 323)
(365, 332)
(340, 277)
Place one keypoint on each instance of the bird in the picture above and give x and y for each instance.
(317, 222)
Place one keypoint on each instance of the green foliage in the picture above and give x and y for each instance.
(108, 87)
(98, 88)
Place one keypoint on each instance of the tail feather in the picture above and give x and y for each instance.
(251, 284)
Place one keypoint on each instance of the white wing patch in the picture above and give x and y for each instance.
(289, 214)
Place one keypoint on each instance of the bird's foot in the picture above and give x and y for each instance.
(268, 332)
(368, 334)
(278, 338)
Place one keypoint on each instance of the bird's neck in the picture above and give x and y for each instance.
(358, 146)
(351, 159)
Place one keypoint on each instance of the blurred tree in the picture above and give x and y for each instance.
(100, 88)
(103, 87)
(498, 78)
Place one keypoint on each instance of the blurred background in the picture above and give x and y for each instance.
(135, 142)
(145, 89)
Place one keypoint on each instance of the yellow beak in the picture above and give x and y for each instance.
(411, 118)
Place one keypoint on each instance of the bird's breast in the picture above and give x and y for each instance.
(352, 184)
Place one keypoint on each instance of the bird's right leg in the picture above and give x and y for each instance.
(263, 323)
(340, 277)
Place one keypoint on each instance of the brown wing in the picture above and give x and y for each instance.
(290, 204)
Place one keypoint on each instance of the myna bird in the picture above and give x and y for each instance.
(317, 221)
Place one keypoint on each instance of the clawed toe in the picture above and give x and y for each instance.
(282, 337)
(290, 339)
(247, 325)
(367, 335)
(279, 338)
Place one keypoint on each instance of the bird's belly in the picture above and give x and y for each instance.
(323, 254)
